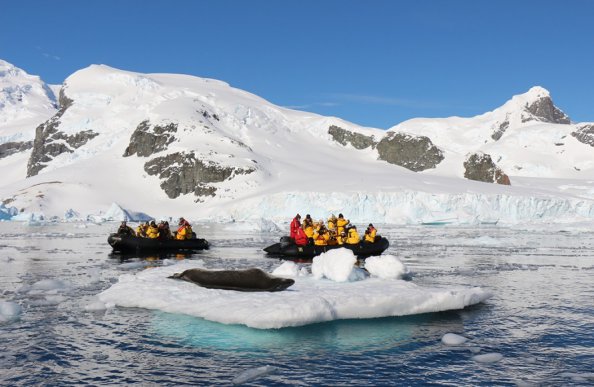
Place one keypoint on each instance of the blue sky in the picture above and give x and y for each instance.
(375, 63)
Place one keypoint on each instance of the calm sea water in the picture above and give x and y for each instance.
(541, 318)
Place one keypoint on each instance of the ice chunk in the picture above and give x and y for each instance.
(95, 306)
(289, 269)
(453, 339)
(48, 285)
(9, 311)
(492, 357)
(253, 373)
(335, 265)
(386, 267)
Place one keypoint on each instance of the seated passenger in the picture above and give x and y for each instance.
(184, 231)
(370, 233)
(308, 226)
(164, 232)
(332, 222)
(341, 223)
(319, 225)
(352, 236)
(321, 237)
(300, 237)
(152, 231)
(141, 229)
(124, 229)
(332, 241)
(341, 238)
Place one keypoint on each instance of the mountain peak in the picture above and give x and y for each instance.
(534, 105)
(8, 69)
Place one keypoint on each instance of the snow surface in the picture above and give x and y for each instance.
(310, 300)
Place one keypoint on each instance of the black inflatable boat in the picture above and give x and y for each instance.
(287, 249)
(134, 244)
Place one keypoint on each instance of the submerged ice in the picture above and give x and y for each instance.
(337, 290)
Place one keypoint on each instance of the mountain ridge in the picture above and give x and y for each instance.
(188, 143)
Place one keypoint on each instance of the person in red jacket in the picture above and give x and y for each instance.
(301, 238)
(295, 225)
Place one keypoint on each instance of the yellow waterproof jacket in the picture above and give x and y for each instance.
(141, 231)
(309, 230)
(184, 232)
(341, 239)
(340, 223)
(370, 236)
(321, 239)
(353, 237)
(152, 232)
(332, 223)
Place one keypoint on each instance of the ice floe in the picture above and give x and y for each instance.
(311, 299)
(492, 357)
(9, 311)
(453, 339)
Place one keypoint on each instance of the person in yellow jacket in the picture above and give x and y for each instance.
(341, 223)
(321, 237)
(341, 238)
(370, 234)
(141, 229)
(353, 236)
(152, 231)
(184, 230)
(332, 222)
(308, 226)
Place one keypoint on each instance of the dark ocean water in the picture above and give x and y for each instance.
(541, 318)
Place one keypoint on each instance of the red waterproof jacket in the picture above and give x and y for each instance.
(295, 225)
(300, 237)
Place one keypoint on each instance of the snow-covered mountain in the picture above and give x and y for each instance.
(25, 102)
(167, 145)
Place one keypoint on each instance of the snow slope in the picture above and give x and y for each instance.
(297, 166)
(25, 102)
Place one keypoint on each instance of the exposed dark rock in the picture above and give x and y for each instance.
(64, 101)
(544, 110)
(344, 137)
(10, 148)
(500, 130)
(585, 134)
(147, 140)
(50, 142)
(183, 173)
(480, 167)
(416, 153)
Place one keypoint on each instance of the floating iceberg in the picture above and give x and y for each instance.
(310, 300)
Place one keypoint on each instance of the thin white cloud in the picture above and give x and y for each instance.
(47, 54)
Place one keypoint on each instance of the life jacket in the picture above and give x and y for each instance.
(341, 240)
(353, 237)
(370, 234)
